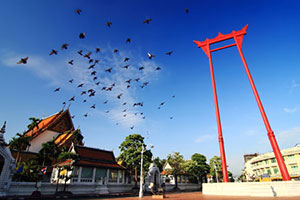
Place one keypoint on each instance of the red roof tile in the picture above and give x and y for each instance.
(98, 164)
(43, 124)
(95, 154)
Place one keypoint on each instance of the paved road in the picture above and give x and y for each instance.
(200, 196)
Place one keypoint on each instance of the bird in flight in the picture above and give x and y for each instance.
(169, 53)
(72, 99)
(84, 100)
(85, 115)
(108, 24)
(126, 59)
(141, 68)
(73, 116)
(71, 62)
(132, 127)
(147, 21)
(53, 52)
(93, 73)
(119, 96)
(79, 52)
(186, 10)
(128, 40)
(171, 117)
(158, 68)
(128, 81)
(93, 106)
(82, 35)
(64, 46)
(92, 66)
(105, 102)
(78, 11)
(124, 103)
(57, 89)
(83, 92)
(137, 79)
(98, 50)
(71, 81)
(108, 70)
(116, 50)
(87, 55)
(173, 96)
(150, 56)
(98, 83)
(23, 60)
(80, 85)
(91, 60)
(126, 66)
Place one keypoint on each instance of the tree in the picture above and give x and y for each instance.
(160, 163)
(29, 171)
(77, 136)
(19, 143)
(177, 163)
(48, 153)
(198, 167)
(34, 123)
(215, 166)
(130, 155)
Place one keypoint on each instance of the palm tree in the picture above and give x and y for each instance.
(19, 143)
(78, 137)
(48, 153)
(34, 123)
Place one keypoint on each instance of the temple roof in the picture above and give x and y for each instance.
(93, 157)
(59, 122)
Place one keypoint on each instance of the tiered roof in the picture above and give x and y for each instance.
(93, 157)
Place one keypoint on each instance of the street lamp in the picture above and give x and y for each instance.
(141, 193)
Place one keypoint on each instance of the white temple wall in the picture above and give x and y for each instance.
(36, 143)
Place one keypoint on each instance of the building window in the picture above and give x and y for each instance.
(120, 176)
(266, 161)
(75, 172)
(87, 172)
(113, 175)
(290, 156)
(273, 160)
(100, 173)
(275, 170)
(269, 171)
(294, 167)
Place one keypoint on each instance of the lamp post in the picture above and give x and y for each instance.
(141, 176)
(141, 193)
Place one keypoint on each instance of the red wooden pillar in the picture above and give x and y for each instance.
(238, 38)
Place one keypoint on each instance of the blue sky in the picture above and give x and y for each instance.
(271, 48)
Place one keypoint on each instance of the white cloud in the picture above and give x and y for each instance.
(295, 84)
(290, 110)
(205, 138)
(289, 137)
(56, 69)
(37, 64)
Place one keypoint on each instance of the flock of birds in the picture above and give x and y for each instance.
(92, 62)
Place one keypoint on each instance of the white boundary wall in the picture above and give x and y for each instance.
(93, 189)
(259, 189)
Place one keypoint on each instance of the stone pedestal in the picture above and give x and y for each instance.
(7, 165)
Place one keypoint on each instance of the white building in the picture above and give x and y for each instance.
(264, 167)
